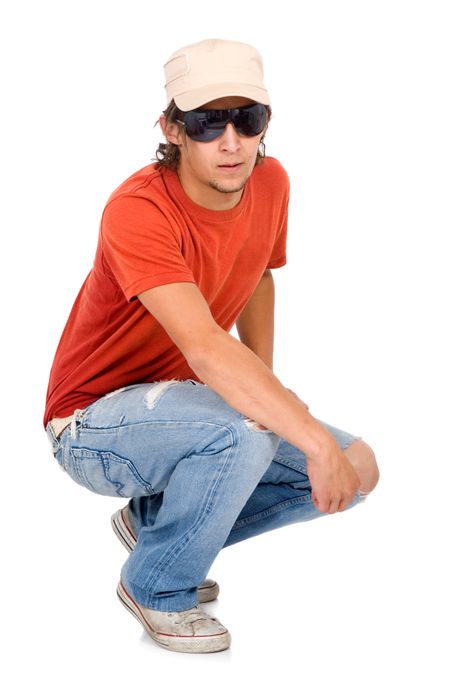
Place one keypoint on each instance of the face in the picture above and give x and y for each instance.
(214, 173)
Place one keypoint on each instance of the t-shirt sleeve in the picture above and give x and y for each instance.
(140, 246)
(278, 255)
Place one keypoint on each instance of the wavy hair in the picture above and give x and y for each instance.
(168, 154)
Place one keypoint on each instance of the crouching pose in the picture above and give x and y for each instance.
(150, 398)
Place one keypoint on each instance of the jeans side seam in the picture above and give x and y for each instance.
(271, 510)
(291, 465)
(177, 548)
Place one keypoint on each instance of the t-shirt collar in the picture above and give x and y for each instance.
(175, 189)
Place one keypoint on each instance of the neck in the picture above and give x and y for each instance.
(210, 195)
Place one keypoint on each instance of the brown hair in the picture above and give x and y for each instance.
(168, 154)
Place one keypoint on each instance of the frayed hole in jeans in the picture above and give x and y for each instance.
(155, 392)
(254, 425)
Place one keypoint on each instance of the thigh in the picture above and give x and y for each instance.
(129, 442)
(289, 463)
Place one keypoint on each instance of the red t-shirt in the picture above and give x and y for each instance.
(152, 233)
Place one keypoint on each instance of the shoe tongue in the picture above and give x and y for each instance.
(195, 612)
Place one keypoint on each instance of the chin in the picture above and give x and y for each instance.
(231, 188)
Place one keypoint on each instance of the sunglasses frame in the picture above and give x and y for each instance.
(231, 115)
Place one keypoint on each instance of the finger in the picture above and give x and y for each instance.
(317, 503)
(334, 506)
(345, 502)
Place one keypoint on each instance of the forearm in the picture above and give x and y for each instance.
(239, 376)
(255, 324)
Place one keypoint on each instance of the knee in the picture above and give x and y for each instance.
(261, 442)
(365, 464)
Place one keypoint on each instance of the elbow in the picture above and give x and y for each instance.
(198, 353)
(205, 350)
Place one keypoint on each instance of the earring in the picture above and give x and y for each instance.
(262, 149)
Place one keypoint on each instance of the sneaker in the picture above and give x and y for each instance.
(188, 631)
(207, 591)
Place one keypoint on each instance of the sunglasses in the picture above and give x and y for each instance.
(206, 125)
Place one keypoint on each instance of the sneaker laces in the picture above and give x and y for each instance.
(192, 615)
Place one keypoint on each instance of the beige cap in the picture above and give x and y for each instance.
(201, 72)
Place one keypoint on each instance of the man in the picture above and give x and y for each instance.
(152, 399)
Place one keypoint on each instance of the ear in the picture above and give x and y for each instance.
(263, 133)
(171, 131)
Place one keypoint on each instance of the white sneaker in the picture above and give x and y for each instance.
(188, 631)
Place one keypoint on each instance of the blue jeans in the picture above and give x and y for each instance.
(199, 475)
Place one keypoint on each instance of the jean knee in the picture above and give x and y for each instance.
(264, 440)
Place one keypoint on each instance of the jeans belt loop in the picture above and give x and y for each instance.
(77, 416)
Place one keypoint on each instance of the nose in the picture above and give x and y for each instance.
(229, 140)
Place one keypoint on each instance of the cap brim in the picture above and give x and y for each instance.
(198, 97)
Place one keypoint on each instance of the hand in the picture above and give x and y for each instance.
(298, 398)
(334, 481)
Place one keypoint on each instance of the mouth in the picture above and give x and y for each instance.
(230, 168)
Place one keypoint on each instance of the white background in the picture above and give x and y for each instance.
(360, 94)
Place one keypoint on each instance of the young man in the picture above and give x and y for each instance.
(152, 399)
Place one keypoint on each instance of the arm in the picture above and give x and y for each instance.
(248, 385)
(255, 323)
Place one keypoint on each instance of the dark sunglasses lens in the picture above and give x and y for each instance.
(250, 121)
(198, 125)
(206, 125)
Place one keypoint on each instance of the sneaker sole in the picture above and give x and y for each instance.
(183, 644)
(205, 594)
(123, 533)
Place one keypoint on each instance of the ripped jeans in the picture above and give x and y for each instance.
(199, 474)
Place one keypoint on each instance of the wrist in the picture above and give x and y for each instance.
(324, 447)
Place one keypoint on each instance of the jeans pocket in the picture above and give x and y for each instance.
(106, 473)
